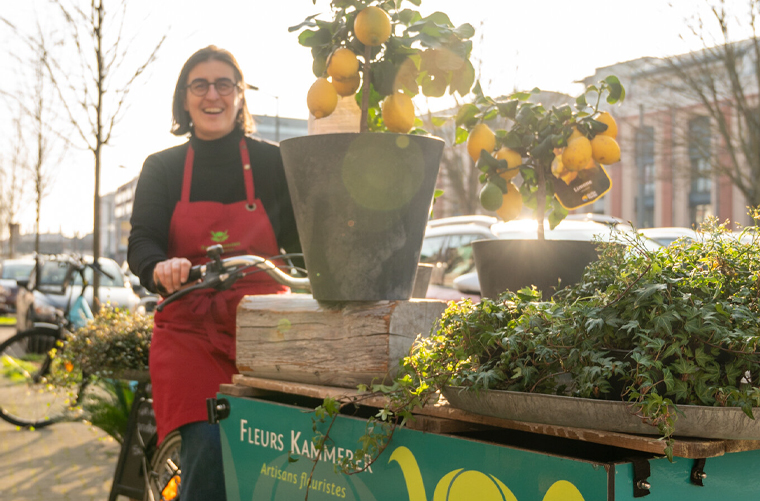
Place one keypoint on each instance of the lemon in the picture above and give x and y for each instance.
(398, 113)
(568, 177)
(481, 138)
(577, 154)
(511, 203)
(513, 160)
(342, 64)
(372, 26)
(490, 196)
(321, 98)
(605, 150)
(576, 133)
(612, 128)
(347, 86)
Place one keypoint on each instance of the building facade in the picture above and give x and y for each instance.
(676, 167)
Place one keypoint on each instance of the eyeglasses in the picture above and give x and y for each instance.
(224, 86)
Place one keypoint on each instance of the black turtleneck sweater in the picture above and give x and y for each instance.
(217, 177)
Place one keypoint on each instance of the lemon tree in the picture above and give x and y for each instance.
(385, 52)
(542, 145)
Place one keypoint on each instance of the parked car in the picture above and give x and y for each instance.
(464, 279)
(11, 271)
(668, 235)
(38, 301)
(448, 247)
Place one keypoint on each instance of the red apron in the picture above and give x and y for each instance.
(192, 350)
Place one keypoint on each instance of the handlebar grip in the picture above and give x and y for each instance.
(195, 274)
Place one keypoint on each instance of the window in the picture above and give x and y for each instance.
(110, 267)
(700, 152)
(645, 166)
(431, 249)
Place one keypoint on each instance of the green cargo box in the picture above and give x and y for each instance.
(478, 459)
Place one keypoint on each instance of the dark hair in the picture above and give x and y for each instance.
(181, 117)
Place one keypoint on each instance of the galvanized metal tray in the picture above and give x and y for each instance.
(726, 423)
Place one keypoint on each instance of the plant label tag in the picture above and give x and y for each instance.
(582, 189)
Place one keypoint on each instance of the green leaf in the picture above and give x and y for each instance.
(383, 76)
(617, 91)
(521, 96)
(563, 113)
(508, 109)
(466, 115)
(512, 140)
(490, 115)
(408, 16)
(309, 38)
(462, 79)
(580, 102)
(465, 31)
(438, 121)
(461, 135)
(557, 214)
(477, 90)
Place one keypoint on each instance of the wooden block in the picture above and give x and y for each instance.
(295, 338)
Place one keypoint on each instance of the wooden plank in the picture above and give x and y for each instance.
(430, 424)
(690, 448)
(296, 338)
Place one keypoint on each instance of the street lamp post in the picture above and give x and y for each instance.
(277, 111)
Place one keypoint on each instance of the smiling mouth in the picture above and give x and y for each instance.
(213, 111)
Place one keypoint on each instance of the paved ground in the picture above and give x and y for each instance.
(64, 462)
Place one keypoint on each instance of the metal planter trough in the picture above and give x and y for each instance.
(729, 423)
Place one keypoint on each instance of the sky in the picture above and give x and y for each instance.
(550, 44)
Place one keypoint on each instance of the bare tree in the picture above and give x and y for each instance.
(36, 100)
(94, 84)
(12, 178)
(42, 175)
(723, 80)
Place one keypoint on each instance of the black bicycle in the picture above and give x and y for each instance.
(28, 359)
(155, 471)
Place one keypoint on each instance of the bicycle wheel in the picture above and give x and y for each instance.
(163, 481)
(26, 396)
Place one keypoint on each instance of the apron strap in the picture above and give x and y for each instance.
(245, 157)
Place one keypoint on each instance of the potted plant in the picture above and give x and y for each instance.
(665, 337)
(362, 198)
(112, 350)
(558, 155)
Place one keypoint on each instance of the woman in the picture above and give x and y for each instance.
(220, 187)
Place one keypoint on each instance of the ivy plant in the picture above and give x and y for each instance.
(657, 329)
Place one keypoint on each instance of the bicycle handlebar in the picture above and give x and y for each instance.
(220, 274)
(79, 264)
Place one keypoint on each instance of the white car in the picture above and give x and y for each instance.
(38, 302)
(448, 247)
(668, 235)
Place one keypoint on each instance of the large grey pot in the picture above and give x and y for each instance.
(513, 264)
(361, 202)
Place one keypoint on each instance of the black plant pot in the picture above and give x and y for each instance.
(513, 264)
(361, 203)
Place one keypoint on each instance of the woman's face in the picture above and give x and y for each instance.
(213, 114)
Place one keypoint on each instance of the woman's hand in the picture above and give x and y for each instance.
(171, 275)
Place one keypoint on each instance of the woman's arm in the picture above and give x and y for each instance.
(154, 203)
